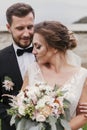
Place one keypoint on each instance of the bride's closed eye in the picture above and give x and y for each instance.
(37, 46)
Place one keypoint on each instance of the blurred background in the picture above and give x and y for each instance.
(66, 11)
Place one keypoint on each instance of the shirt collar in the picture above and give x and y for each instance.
(17, 47)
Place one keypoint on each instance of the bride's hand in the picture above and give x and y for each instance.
(82, 108)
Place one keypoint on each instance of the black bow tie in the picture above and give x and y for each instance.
(21, 51)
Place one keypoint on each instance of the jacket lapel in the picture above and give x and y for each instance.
(15, 71)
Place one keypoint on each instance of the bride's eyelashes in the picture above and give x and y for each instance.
(38, 47)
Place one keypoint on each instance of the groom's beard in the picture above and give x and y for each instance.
(24, 38)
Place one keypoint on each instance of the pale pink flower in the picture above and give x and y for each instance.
(8, 85)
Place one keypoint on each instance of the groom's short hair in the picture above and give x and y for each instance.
(19, 10)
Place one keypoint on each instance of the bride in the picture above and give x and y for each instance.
(55, 65)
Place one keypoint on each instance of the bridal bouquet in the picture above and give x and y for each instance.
(40, 107)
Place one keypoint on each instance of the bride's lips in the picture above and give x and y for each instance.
(36, 57)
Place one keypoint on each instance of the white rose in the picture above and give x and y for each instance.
(40, 118)
(41, 103)
(21, 110)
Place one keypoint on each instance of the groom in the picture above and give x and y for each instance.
(15, 59)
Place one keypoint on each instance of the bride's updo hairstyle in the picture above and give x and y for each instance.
(56, 35)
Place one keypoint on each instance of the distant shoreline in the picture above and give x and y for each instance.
(74, 27)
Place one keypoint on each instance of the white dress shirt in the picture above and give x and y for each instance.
(23, 60)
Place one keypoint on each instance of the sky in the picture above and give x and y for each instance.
(65, 11)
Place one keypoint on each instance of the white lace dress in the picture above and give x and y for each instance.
(73, 86)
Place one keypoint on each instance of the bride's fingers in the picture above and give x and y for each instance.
(85, 115)
(83, 107)
(83, 111)
(83, 104)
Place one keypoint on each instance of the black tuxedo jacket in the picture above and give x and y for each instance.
(8, 67)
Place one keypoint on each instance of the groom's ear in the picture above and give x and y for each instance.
(8, 27)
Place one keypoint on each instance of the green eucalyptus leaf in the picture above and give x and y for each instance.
(52, 122)
(65, 124)
(67, 102)
(67, 114)
(58, 125)
(8, 78)
(12, 121)
(66, 109)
